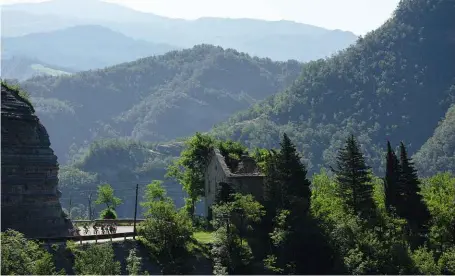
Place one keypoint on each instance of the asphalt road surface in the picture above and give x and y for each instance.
(120, 229)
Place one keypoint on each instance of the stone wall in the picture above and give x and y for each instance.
(29, 195)
(215, 173)
(247, 180)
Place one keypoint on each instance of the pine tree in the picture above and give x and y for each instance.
(292, 174)
(288, 189)
(272, 195)
(286, 183)
(413, 208)
(354, 180)
(391, 180)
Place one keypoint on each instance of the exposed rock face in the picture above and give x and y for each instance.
(30, 198)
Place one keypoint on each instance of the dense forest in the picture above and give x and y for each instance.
(438, 153)
(344, 220)
(395, 83)
(155, 99)
(357, 152)
(122, 163)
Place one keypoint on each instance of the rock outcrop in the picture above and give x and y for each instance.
(30, 198)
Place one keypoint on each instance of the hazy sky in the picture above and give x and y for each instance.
(358, 16)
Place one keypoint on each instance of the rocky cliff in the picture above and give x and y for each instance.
(30, 198)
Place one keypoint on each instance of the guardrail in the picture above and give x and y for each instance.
(109, 220)
(86, 237)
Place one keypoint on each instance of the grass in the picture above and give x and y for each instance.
(203, 237)
(47, 70)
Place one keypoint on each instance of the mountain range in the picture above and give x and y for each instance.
(82, 47)
(396, 84)
(278, 40)
(156, 98)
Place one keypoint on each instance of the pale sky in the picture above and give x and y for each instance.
(358, 16)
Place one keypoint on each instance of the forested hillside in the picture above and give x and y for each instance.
(438, 153)
(395, 83)
(156, 98)
(22, 68)
(122, 163)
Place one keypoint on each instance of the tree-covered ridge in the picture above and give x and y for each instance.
(157, 98)
(438, 153)
(394, 83)
(22, 68)
(122, 163)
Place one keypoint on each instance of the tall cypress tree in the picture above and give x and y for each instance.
(354, 180)
(391, 180)
(414, 209)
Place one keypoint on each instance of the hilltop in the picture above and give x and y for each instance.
(395, 83)
(81, 47)
(156, 98)
(21, 68)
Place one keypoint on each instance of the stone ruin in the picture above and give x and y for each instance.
(29, 195)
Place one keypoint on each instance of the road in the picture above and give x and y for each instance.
(120, 229)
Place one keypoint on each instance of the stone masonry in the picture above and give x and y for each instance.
(29, 195)
(245, 178)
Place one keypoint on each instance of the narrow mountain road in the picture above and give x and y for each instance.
(120, 229)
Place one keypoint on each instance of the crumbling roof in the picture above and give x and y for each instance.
(245, 167)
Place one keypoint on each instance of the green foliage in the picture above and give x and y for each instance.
(425, 262)
(169, 96)
(24, 257)
(353, 178)
(439, 193)
(189, 169)
(376, 88)
(411, 206)
(97, 259)
(133, 263)
(25, 96)
(438, 154)
(361, 248)
(166, 231)
(108, 213)
(286, 185)
(391, 180)
(106, 196)
(231, 254)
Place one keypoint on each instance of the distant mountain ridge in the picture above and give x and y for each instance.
(155, 98)
(21, 68)
(81, 47)
(302, 42)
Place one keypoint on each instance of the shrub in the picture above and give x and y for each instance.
(108, 213)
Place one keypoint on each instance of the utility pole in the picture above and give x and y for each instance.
(71, 204)
(135, 212)
(90, 206)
